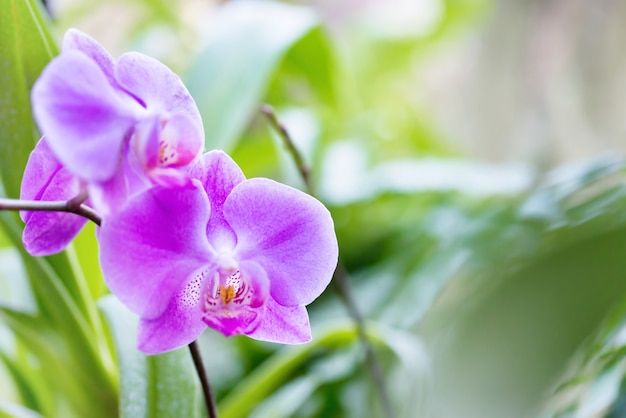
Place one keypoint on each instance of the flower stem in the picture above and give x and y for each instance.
(74, 205)
(303, 167)
(341, 277)
(209, 399)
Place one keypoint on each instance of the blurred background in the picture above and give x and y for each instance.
(471, 153)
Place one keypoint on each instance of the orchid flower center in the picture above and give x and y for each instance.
(228, 294)
(229, 302)
(234, 290)
(167, 153)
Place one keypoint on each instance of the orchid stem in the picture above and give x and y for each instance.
(74, 205)
(303, 167)
(341, 277)
(209, 399)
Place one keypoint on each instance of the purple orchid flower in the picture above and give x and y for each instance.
(115, 123)
(116, 128)
(240, 256)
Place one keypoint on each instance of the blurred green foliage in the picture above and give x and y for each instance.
(489, 290)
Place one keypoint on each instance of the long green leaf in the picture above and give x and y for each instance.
(151, 386)
(25, 48)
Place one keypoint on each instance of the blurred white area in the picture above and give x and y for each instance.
(348, 177)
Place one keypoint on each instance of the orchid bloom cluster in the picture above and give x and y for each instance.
(186, 242)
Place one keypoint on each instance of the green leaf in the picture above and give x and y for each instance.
(269, 376)
(230, 77)
(25, 48)
(151, 386)
(11, 410)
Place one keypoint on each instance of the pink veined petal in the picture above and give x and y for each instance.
(84, 119)
(150, 248)
(109, 196)
(137, 179)
(258, 280)
(162, 143)
(219, 174)
(48, 233)
(169, 177)
(180, 324)
(75, 40)
(282, 324)
(158, 87)
(288, 233)
(181, 136)
(42, 165)
(145, 141)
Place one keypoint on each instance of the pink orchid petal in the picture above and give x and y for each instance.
(177, 326)
(109, 196)
(146, 141)
(150, 248)
(75, 40)
(219, 174)
(234, 324)
(84, 119)
(158, 87)
(258, 280)
(169, 177)
(288, 233)
(160, 148)
(181, 135)
(48, 233)
(42, 165)
(282, 324)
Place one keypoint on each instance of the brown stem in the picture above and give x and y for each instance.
(303, 167)
(341, 277)
(209, 399)
(74, 205)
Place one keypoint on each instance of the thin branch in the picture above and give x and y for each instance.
(303, 167)
(74, 205)
(209, 399)
(341, 276)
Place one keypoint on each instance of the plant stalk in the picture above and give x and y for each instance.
(209, 399)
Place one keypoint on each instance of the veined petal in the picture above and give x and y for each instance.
(282, 324)
(183, 143)
(40, 168)
(177, 326)
(158, 87)
(162, 143)
(257, 277)
(219, 174)
(150, 248)
(48, 233)
(84, 119)
(109, 196)
(75, 40)
(145, 142)
(288, 233)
